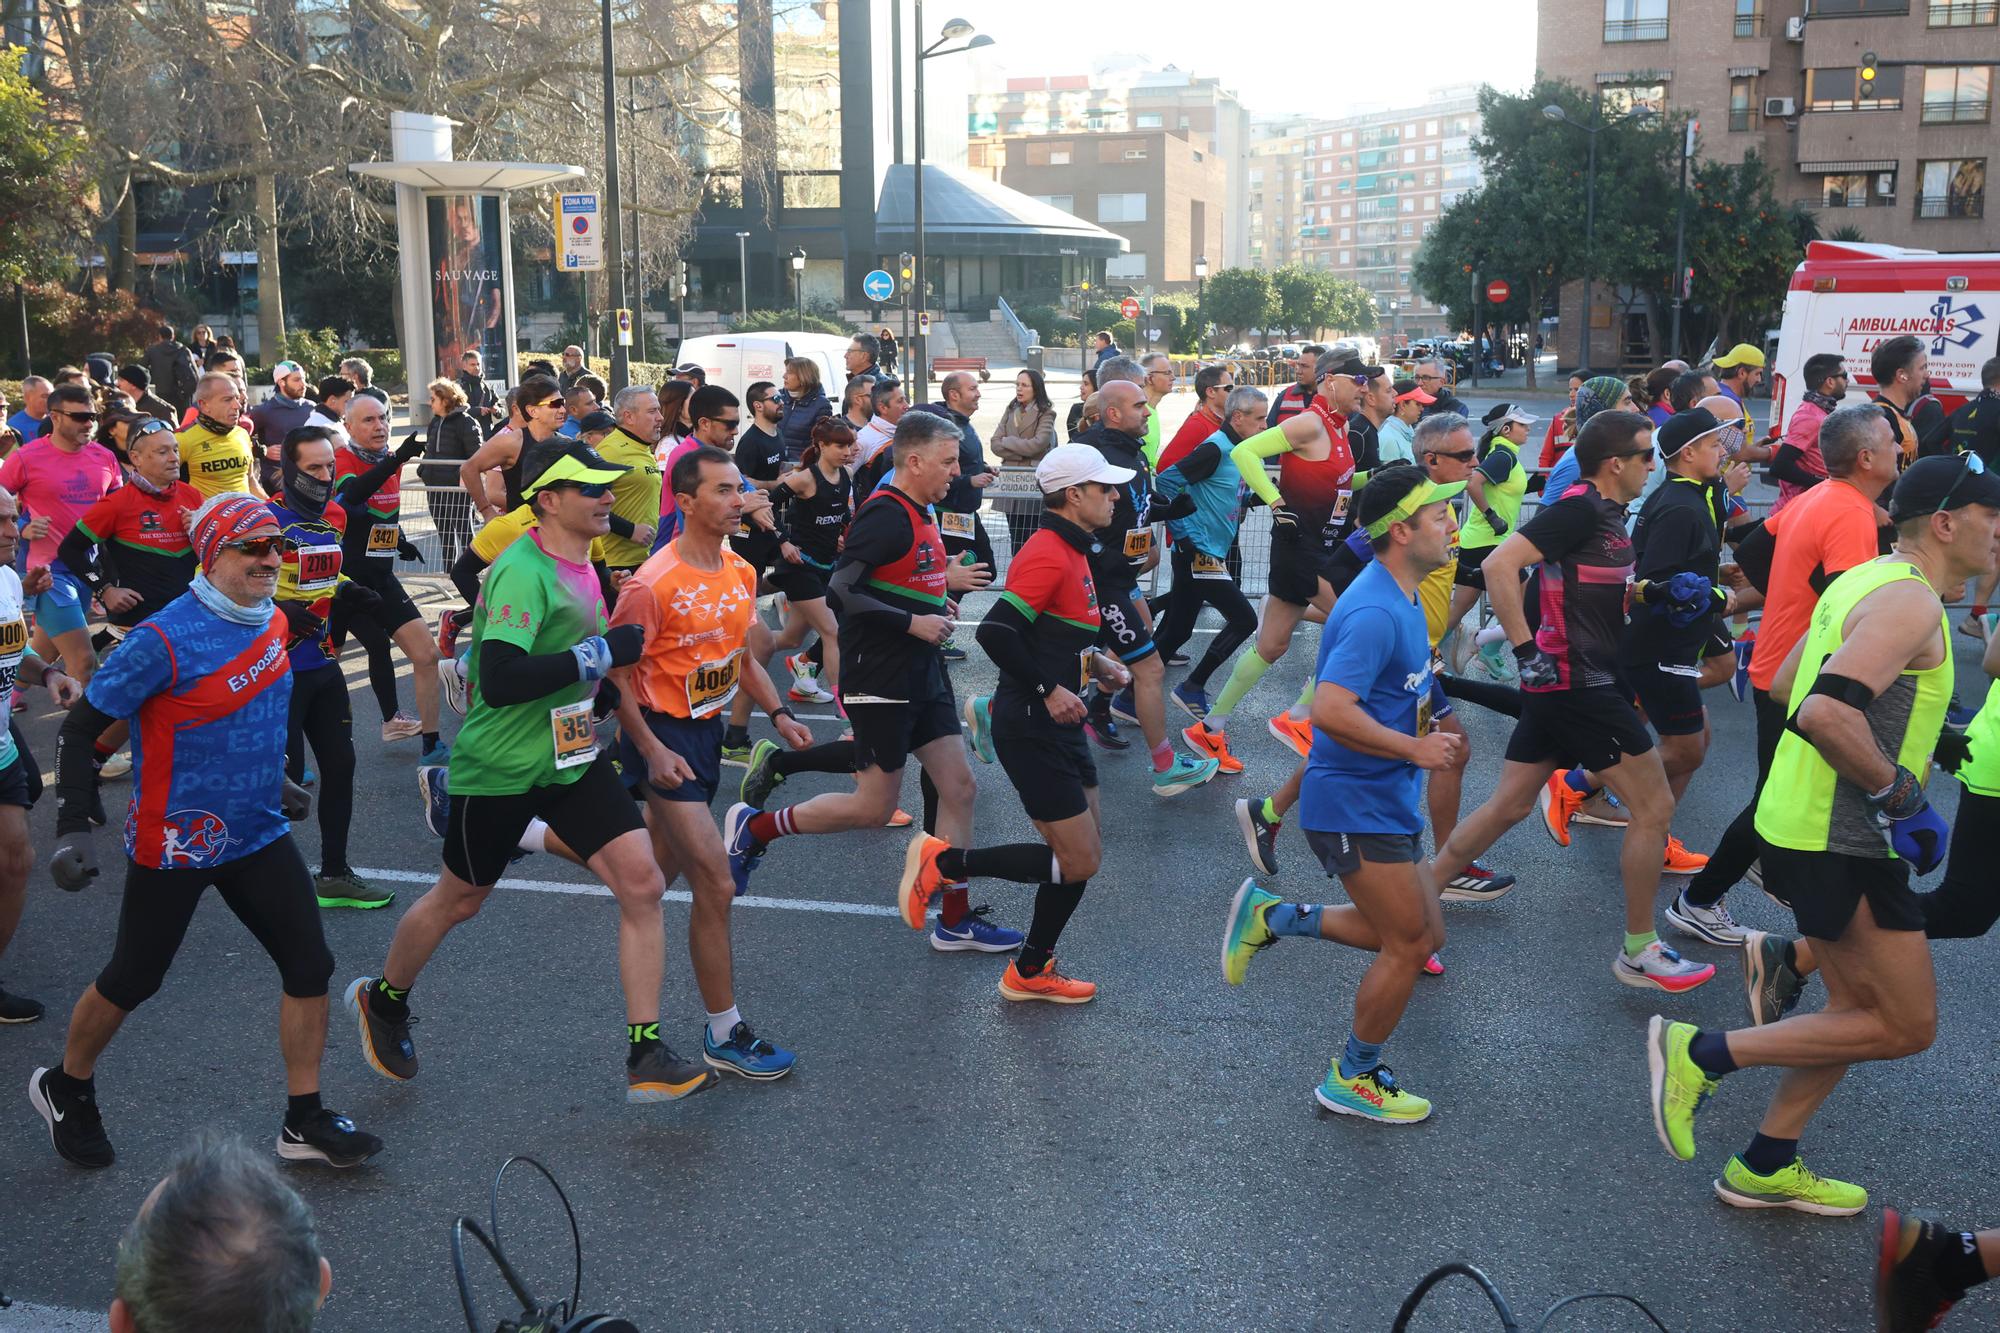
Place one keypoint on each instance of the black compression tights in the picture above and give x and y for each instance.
(320, 717)
(381, 662)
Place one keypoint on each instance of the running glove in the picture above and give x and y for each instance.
(1494, 521)
(1538, 669)
(1284, 521)
(617, 647)
(407, 550)
(1954, 747)
(1917, 833)
(357, 596)
(74, 862)
(410, 447)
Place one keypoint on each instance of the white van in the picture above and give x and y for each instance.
(737, 360)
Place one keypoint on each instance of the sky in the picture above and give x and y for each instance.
(1339, 57)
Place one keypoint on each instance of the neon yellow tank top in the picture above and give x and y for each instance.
(1503, 498)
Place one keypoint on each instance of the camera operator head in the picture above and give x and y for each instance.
(220, 1243)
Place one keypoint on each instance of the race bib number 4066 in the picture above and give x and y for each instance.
(712, 685)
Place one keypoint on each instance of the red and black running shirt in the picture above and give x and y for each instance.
(1051, 608)
(1319, 490)
(144, 542)
(1583, 585)
(898, 545)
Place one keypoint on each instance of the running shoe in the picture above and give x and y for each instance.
(1602, 809)
(1293, 731)
(451, 683)
(1192, 701)
(1679, 860)
(978, 714)
(1104, 732)
(307, 777)
(1260, 835)
(344, 888)
(1660, 968)
(1712, 924)
(433, 782)
(1769, 983)
(436, 754)
(736, 756)
(1047, 984)
(1183, 774)
(975, 934)
(1558, 801)
(805, 687)
(328, 1137)
(659, 1075)
(117, 766)
(1178, 658)
(76, 1130)
(1973, 625)
(744, 851)
(19, 1008)
(1433, 966)
(1791, 1186)
(450, 625)
(1374, 1095)
(1739, 680)
(1211, 744)
(1909, 1296)
(402, 727)
(1680, 1087)
(1476, 884)
(950, 651)
(760, 775)
(746, 1054)
(1496, 660)
(899, 818)
(1245, 932)
(921, 878)
(800, 665)
(1124, 707)
(385, 1042)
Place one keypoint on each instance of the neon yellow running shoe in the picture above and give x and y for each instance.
(1374, 1095)
(1679, 1085)
(1790, 1186)
(1246, 932)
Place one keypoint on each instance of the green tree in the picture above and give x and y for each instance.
(43, 181)
(1313, 301)
(1743, 245)
(1238, 299)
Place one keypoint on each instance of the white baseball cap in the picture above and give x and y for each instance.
(1075, 464)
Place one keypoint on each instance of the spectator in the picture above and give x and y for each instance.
(272, 420)
(1799, 465)
(1075, 424)
(173, 369)
(692, 373)
(201, 342)
(857, 404)
(221, 1243)
(481, 403)
(572, 366)
(886, 340)
(1106, 349)
(335, 392)
(958, 513)
(224, 343)
(1297, 396)
(864, 356)
(1562, 426)
(1027, 428)
(136, 382)
(363, 375)
(27, 422)
(805, 402)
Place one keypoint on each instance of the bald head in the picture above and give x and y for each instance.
(1123, 407)
(367, 422)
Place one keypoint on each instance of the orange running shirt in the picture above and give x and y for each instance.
(1824, 532)
(696, 623)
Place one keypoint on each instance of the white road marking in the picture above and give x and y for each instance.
(672, 895)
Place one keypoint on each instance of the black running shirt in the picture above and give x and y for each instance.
(1582, 586)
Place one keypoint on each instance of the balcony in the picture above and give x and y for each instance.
(1968, 205)
(1740, 119)
(1959, 111)
(1749, 25)
(1963, 13)
(1635, 30)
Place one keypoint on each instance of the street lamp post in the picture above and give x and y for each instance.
(1200, 292)
(743, 266)
(614, 243)
(1680, 237)
(956, 30)
(799, 283)
(1592, 130)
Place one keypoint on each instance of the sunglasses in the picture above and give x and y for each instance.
(1974, 466)
(731, 422)
(1430, 379)
(1459, 456)
(150, 426)
(256, 547)
(589, 490)
(80, 416)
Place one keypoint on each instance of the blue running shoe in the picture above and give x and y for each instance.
(437, 801)
(1193, 702)
(1184, 775)
(1103, 733)
(978, 712)
(1961, 715)
(1739, 680)
(976, 934)
(950, 651)
(744, 851)
(307, 777)
(746, 1053)
(439, 754)
(1123, 708)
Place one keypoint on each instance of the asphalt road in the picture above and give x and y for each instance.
(944, 1159)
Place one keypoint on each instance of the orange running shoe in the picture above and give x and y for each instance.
(1681, 861)
(921, 878)
(901, 819)
(1211, 745)
(1293, 731)
(1559, 802)
(1047, 984)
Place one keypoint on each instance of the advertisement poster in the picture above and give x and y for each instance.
(468, 299)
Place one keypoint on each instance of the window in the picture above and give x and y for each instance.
(1963, 13)
(1835, 90)
(1409, 229)
(1628, 99)
(1129, 267)
(1838, 8)
(1066, 202)
(1121, 208)
(1345, 257)
(1135, 155)
(1409, 157)
(1429, 227)
(1048, 154)
(1430, 152)
(1857, 189)
(1635, 20)
(1346, 234)
(1743, 102)
(1952, 188)
(1959, 95)
(1409, 206)
(1430, 178)
(1430, 204)
(1346, 139)
(1431, 128)
(1148, 120)
(1347, 210)
(1749, 18)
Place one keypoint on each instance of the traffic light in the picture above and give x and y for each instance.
(1868, 67)
(1687, 282)
(682, 279)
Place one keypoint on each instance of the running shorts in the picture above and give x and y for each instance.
(20, 784)
(1469, 574)
(1342, 853)
(802, 582)
(61, 609)
(1671, 696)
(886, 733)
(1050, 767)
(1823, 889)
(697, 740)
(1297, 566)
(1594, 727)
(397, 609)
(1124, 633)
(485, 831)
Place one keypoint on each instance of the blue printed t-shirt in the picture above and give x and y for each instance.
(208, 700)
(1375, 644)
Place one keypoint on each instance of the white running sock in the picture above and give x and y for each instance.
(722, 1024)
(535, 837)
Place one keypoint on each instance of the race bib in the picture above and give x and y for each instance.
(575, 734)
(712, 685)
(319, 568)
(1084, 659)
(1138, 543)
(1209, 567)
(383, 539)
(956, 525)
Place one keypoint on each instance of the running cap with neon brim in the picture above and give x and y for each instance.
(557, 460)
(1404, 490)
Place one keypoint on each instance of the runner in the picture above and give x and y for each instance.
(20, 775)
(1573, 709)
(1308, 523)
(1844, 821)
(891, 593)
(215, 446)
(208, 682)
(541, 644)
(693, 600)
(1124, 551)
(311, 582)
(1495, 491)
(635, 496)
(821, 491)
(1922, 1269)
(1043, 634)
(1372, 733)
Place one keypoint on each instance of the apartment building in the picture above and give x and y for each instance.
(1903, 161)
(1275, 202)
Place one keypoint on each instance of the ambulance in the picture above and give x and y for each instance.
(1850, 297)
